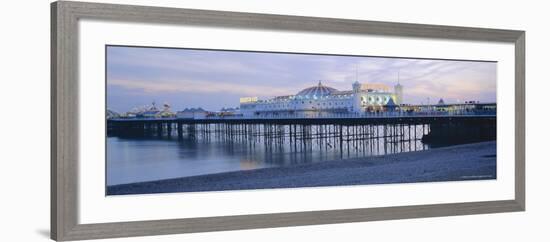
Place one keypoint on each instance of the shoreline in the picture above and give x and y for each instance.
(476, 161)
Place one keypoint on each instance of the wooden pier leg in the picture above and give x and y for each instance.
(341, 140)
(340, 133)
(180, 129)
(159, 129)
(415, 128)
(409, 129)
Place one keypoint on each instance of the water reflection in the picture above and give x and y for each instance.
(214, 150)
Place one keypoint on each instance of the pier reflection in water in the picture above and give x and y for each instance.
(200, 149)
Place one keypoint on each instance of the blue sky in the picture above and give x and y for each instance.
(211, 79)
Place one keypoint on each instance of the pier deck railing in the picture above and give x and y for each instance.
(385, 115)
(359, 115)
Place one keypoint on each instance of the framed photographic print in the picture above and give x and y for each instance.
(170, 120)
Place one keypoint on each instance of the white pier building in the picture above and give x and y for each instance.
(322, 100)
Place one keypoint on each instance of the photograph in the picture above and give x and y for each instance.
(197, 120)
(218, 121)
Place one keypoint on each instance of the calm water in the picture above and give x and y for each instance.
(154, 158)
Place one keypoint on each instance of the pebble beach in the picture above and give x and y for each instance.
(453, 163)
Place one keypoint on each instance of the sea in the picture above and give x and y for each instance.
(139, 159)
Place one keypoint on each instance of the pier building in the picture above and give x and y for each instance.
(321, 100)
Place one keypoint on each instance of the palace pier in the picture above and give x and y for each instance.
(326, 132)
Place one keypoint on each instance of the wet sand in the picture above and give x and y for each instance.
(454, 163)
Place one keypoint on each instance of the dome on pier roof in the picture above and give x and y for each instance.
(318, 90)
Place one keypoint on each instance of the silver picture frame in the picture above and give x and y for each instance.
(64, 118)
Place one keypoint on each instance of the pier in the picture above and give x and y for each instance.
(327, 132)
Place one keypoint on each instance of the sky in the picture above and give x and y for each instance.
(213, 79)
